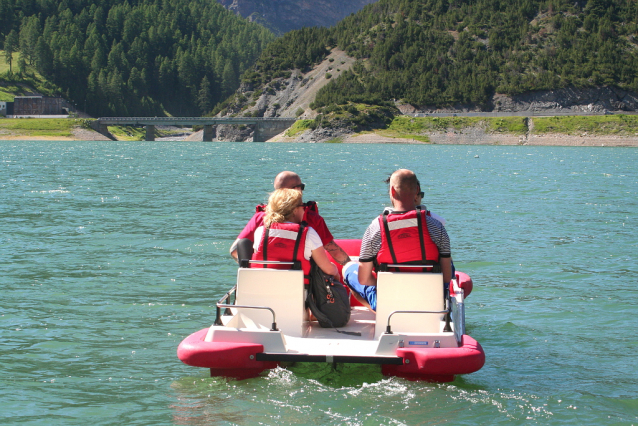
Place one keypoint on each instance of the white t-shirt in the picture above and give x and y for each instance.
(313, 241)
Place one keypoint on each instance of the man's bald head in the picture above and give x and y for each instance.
(287, 179)
(404, 186)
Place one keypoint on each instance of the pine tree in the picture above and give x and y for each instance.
(229, 79)
(11, 45)
(203, 96)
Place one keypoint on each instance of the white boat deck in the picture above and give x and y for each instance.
(362, 320)
(328, 341)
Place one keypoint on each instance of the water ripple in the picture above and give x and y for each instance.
(113, 252)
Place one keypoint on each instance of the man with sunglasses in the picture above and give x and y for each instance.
(418, 200)
(396, 237)
(243, 245)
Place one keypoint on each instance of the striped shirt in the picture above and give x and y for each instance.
(371, 241)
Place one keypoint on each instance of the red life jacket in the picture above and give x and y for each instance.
(308, 206)
(284, 242)
(405, 239)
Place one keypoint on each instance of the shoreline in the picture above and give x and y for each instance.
(550, 139)
(554, 139)
(77, 134)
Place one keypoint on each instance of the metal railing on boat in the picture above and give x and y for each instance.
(228, 306)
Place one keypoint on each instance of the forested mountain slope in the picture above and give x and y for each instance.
(461, 53)
(134, 57)
(282, 16)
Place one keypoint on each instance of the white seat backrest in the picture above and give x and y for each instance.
(280, 290)
(409, 291)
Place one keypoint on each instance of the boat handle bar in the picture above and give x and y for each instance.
(410, 266)
(218, 319)
(245, 263)
(388, 330)
(274, 321)
(271, 262)
(227, 295)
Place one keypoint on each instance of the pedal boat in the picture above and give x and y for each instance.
(417, 332)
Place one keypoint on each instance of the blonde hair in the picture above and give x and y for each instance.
(281, 205)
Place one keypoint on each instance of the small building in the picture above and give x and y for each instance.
(3, 109)
(41, 105)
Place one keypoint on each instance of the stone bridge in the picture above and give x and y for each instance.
(265, 128)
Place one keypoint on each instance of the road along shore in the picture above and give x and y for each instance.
(447, 138)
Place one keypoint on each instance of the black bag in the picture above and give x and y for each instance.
(327, 299)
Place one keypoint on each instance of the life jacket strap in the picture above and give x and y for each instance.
(264, 244)
(297, 264)
(419, 221)
(387, 236)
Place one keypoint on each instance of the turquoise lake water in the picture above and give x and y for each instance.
(112, 252)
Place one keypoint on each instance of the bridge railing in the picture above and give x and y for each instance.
(264, 126)
(191, 120)
(532, 113)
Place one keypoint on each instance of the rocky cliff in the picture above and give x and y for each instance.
(292, 96)
(283, 97)
(281, 16)
(570, 100)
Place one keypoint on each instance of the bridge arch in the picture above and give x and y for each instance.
(265, 127)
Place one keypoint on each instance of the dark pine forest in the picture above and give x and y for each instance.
(184, 57)
(461, 52)
(133, 57)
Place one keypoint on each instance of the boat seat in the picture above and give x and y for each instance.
(280, 290)
(409, 291)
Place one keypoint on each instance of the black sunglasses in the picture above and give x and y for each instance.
(421, 194)
(301, 186)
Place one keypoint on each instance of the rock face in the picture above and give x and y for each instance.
(570, 100)
(286, 97)
(588, 100)
(281, 16)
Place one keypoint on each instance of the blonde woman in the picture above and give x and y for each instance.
(283, 237)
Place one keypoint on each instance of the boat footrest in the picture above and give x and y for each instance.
(386, 360)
